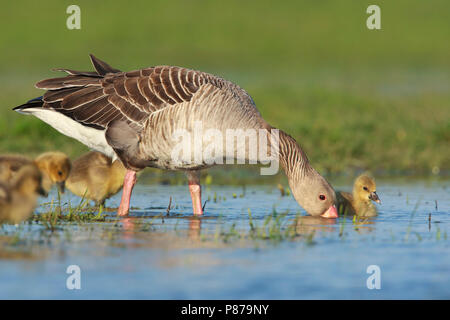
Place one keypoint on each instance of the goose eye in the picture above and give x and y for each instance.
(322, 197)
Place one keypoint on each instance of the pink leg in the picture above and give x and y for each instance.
(128, 184)
(196, 192)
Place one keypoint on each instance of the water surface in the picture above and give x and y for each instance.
(152, 255)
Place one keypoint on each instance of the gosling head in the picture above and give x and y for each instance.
(56, 166)
(365, 189)
(314, 194)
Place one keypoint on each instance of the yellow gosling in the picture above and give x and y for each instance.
(359, 202)
(10, 165)
(96, 177)
(18, 197)
(55, 168)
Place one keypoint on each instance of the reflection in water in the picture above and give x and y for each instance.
(6, 254)
(132, 226)
(307, 225)
(10, 249)
(169, 233)
(230, 253)
(128, 227)
(363, 225)
(195, 226)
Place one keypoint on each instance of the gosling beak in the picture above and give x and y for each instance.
(331, 213)
(61, 186)
(42, 192)
(374, 197)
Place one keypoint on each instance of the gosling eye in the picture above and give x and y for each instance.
(60, 173)
(365, 188)
(322, 197)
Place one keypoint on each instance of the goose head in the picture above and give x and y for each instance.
(309, 188)
(314, 194)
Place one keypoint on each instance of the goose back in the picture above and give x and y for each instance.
(96, 99)
(145, 106)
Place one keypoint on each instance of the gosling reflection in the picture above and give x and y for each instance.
(362, 225)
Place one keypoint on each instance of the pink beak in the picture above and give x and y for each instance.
(331, 213)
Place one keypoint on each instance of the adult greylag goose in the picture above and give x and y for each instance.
(359, 202)
(18, 197)
(134, 116)
(96, 177)
(54, 166)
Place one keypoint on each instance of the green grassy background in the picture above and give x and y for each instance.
(355, 99)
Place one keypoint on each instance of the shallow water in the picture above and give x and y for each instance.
(151, 255)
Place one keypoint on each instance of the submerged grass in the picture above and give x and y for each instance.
(54, 215)
(413, 213)
(275, 228)
(57, 220)
(56, 226)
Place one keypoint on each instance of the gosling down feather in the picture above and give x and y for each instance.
(18, 197)
(54, 166)
(96, 177)
(359, 202)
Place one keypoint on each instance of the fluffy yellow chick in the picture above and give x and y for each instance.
(55, 168)
(18, 197)
(96, 177)
(359, 202)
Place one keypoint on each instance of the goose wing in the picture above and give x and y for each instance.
(96, 99)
